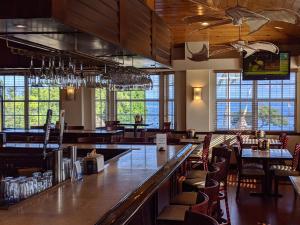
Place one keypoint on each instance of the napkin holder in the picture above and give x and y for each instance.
(93, 163)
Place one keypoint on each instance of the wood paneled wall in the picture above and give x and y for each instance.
(129, 24)
(136, 27)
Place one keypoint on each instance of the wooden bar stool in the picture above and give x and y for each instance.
(175, 214)
(192, 218)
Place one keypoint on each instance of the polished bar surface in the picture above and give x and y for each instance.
(41, 131)
(99, 195)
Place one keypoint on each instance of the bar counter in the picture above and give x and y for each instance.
(110, 197)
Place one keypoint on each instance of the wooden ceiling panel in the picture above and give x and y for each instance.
(173, 12)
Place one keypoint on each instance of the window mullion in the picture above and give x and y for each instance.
(26, 106)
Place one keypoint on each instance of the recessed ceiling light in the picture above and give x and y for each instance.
(279, 28)
(205, 24)
(20, 26)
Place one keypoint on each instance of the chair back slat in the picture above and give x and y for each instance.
(296, 157)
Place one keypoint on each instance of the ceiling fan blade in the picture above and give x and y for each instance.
(256, 24)
(264, 46)
(281, 15)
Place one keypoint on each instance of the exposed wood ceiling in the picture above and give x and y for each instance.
(173, 12)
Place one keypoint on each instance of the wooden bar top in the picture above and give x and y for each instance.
(95, 198)
(41, 131)
(10, 145)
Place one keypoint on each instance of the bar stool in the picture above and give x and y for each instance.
(223, 152)
(175, 214)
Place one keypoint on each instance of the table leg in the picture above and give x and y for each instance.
(134, 131)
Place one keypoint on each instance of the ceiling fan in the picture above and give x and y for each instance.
(245, 47)
(238, 15)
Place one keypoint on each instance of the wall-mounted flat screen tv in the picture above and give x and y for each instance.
(267, 66)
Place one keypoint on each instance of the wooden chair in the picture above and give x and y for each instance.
(283, 138)
(90, 140)
(192, 218)
(282, 172)
(198, 158)
(244, 173)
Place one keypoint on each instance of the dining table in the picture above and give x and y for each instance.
(135, 126)
(266, 157)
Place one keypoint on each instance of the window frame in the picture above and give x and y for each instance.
(254, 100)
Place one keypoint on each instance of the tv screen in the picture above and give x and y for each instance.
(267, 66)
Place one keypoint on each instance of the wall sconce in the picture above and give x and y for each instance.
(197, 93)
(70, 93)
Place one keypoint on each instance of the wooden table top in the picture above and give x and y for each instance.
(263, 154)
(192, 140)
(296, 183)
(253, 141)
(86, 202)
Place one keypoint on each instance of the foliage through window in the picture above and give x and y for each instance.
(145, 103)
(21, 109)
(246, 105)
(101, 106)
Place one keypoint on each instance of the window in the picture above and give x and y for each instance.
(13, 101)
(170, 100)
(145, 103)
(246, 105)
(40, 100)
(21, 109)
(101, 106)
(126, 104)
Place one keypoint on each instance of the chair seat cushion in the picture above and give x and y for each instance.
(195, 183)
(185, 198)
(252, 165)
(173, 212)
(284, 170)
(253, 172)
(197, 174)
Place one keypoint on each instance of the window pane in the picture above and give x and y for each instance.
(19, 108)
(288, 109)
(33, 93)
(9, 108)
(9, 93)
(276, 91)
(263, 91)
(43, 93)
(288, 91)
(54, 93)
(222, 92)
(234, 91)
(43, 108)
(222, 108)
(246, 91)
(9, 121)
